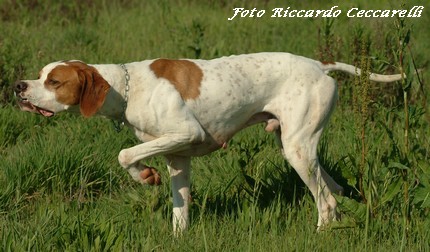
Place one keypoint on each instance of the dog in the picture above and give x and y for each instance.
(184, 108)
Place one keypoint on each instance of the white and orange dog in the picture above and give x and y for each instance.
(184, 108)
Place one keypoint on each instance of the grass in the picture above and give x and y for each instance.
(61, 187)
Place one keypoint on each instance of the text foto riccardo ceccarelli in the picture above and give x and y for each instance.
(354, 12)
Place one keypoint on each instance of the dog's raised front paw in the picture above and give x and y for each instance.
(150, 176)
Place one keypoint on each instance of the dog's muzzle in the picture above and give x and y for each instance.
(20, 87)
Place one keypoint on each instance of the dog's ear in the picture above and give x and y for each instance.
(94, 90)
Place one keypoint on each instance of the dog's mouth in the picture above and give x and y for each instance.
(25, 105)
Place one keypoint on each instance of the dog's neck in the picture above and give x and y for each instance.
(114, 104)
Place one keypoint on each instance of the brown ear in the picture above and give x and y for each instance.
(94, 90)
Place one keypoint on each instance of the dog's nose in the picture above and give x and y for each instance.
(20, 86)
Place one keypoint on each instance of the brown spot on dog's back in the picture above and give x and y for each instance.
(185, 75)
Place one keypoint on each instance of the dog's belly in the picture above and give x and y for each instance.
(203, 148)
(219, 139)
(215, 138)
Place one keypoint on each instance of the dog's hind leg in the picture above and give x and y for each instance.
(301, 154)
(301, 129)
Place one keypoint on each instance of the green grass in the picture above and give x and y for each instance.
(62, 189)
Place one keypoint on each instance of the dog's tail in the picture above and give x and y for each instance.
(339, 66)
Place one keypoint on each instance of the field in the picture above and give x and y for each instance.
(62, 189)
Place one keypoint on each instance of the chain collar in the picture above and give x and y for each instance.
(118, 125)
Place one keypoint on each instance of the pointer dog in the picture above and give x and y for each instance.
(184, 108)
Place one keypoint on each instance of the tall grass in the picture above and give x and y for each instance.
(61, 187)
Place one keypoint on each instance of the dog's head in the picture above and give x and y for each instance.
(61, 86)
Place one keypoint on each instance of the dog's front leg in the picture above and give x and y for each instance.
(179, 169)
(129, 158)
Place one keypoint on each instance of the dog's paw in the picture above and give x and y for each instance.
(150, 176)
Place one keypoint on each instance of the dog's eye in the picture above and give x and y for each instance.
(53, 82)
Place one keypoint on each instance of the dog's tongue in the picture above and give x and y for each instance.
(45, 113)
(28, 106)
